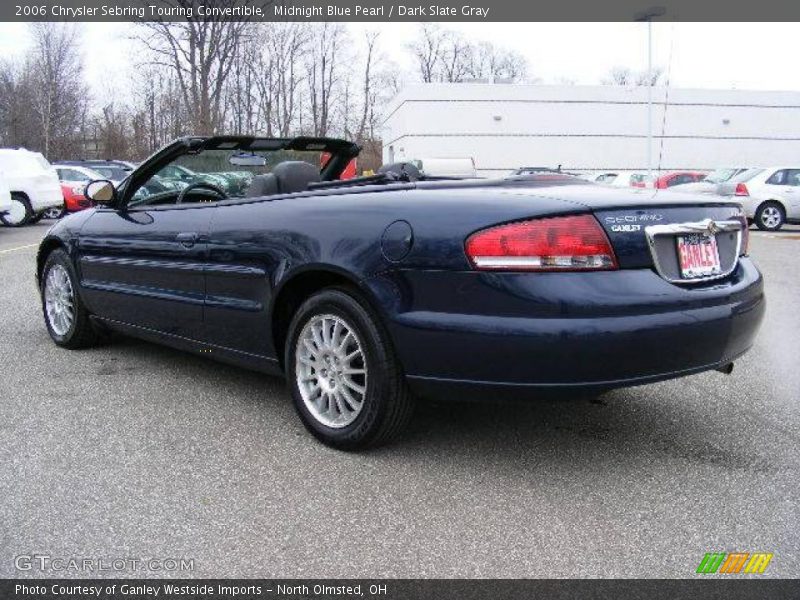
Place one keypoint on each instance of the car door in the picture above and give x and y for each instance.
(144, 266)
(244, 253)
(792, 194)
(777, 186)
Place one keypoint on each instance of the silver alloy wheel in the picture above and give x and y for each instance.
(331, 370)
(15, 214)
(58, 300)
(770, 217)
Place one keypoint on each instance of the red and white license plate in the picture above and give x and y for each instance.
(698, 256)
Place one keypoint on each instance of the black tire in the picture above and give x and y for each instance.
(387, 404)
(81, 333)
(770, 216)
(36, 218)
(26, 205)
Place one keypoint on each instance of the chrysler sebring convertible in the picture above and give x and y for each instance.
(371, 292)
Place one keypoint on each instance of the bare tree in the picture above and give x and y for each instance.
(427, 50)
(278, 72)
(619, 76)
(323, 66)
(644, 78)
(445, 55)
(492, 63)
(53, 76)
(201, 52)
(625, 76)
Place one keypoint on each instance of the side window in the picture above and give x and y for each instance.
(793, 177)
(679, 179)
(70, 175)
(778, 178)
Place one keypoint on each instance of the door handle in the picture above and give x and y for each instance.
(187, 240)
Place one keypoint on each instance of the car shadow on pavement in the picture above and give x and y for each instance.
(649, 423)
(659, 422)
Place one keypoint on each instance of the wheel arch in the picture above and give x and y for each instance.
(778, 201)
(22, 193)
(301, 285)
(46, 248)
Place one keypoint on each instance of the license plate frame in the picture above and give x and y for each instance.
(698, 256)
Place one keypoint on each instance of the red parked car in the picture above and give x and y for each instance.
(73, 181)
(678, 177)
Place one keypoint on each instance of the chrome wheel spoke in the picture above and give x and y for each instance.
(59, 301)
(331, 370)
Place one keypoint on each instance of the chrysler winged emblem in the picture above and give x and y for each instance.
(712, 227)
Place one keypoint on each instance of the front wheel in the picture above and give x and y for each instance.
(770, 216)
(345, 381)
(66, 318)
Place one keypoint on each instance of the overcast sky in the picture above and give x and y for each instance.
(723, 55)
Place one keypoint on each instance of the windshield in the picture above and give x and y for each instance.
(111, 172)
(720, 175)
(221, 168)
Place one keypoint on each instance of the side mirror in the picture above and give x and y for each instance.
(101, 191)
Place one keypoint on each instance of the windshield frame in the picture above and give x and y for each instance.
(341, 152)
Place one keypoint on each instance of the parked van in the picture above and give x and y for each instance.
(33, 184)
(446, 167)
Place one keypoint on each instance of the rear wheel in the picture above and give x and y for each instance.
(54, 212)
(66, 317)
(770, 216)
(345, 381)
(19, 213)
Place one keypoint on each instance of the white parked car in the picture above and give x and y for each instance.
(446, 167)
(5, 195)
(33, 184)
(622, 178)
(710, 183)
(770, 195)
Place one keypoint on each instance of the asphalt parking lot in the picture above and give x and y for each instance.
(133, 450)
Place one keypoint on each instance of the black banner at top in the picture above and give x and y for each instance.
(398, 10)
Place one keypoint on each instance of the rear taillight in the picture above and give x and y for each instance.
(741, 190)
(575, 243)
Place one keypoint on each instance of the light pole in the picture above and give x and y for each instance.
(648, 15)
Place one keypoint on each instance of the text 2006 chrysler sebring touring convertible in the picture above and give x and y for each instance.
(369, 292)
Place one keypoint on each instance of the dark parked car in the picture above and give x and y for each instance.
(113, 170)
(370, 292)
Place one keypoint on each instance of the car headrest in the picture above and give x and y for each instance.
(294, 176)
(262, 185)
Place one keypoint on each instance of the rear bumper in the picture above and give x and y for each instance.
(493, 331)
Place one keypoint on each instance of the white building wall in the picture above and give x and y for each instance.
(505, 126)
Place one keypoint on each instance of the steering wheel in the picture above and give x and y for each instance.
(201, 184)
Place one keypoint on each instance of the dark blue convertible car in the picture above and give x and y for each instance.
(367, 293)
